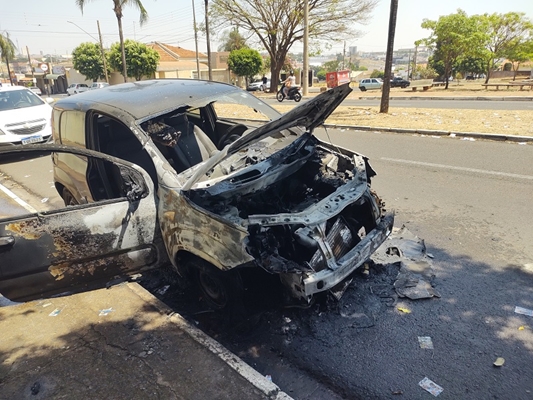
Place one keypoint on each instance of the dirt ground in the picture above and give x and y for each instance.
(507, 122)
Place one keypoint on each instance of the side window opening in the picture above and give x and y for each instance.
(112, 137)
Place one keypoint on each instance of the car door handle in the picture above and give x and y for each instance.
(6, 241)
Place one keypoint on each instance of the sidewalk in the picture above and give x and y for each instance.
(118, 343)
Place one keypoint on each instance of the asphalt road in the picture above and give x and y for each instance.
(471, 203)
(445, 104)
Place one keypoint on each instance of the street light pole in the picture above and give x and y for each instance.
(196, 41)
(99, 41)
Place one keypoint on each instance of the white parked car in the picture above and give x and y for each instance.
(370, 83)
(76, 88)
(98, 85)
(24, 116)
(258, 85)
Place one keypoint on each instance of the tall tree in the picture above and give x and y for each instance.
(504, 31)
(278, 24)
(118, 5)
(454, 36)
(142, 60)
(87, 59)
(7, 50)
(245, 62)
(519, 53)
(232, 40)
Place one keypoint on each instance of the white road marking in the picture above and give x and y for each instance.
(465, 169)
(17, 199)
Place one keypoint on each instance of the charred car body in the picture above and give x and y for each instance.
(230, 183)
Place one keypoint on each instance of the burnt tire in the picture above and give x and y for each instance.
(219, 289)
(297, 97)
(68, 198)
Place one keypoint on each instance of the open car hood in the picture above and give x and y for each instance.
(309, 115)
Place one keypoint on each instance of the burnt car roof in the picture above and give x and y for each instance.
(145, 98)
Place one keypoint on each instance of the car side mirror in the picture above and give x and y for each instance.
(50, 100)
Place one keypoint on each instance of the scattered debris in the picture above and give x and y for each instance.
(404, 310)
(162, 290)
(524, 311)
(499, 362)
(425, 342)
(44, 200)
(521, 328)
(471, 139)
(269, 377)
(430, 386)
(105, 311)
(396, 392)
(54, 313)
(46, 305)
(416, 274)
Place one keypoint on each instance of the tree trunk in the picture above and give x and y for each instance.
(488, 73)
(384, 106)
(209, 66)
(8, 71)
(122, 49)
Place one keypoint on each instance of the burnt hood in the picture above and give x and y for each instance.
(310, 114)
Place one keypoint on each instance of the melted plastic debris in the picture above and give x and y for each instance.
(523, 311)
(430, 386)
(425, 342)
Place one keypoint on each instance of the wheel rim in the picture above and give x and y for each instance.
(213, 288)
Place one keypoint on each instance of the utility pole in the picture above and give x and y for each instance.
(388, 60)
(414, 58)
(305, 83)
(343, 54)
(29, 62)
(409, 65)
(209, 68)
(102, 50)
(196, 41)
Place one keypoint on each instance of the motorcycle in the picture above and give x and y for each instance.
(293, 94)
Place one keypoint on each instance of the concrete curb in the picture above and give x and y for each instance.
(268, 388)
(473, 98)
(475, 135)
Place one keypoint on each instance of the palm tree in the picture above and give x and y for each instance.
(7, 50)
(118, 5)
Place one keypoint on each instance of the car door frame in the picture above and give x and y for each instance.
(80, 247)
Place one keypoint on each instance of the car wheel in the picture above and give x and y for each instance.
(297, 97)
(363, 89)
(220, 289)
(68, 198)
(280, 96)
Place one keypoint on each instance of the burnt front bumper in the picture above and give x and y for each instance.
(341, 268)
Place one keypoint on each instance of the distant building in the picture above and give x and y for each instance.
(353, 50)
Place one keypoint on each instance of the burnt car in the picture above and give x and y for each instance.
(208, 177)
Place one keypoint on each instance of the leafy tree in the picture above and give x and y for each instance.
(232, 40)
(141, 60)
(454, 36)
(473, 65)
(425, 72)
(87, 59)
(520, 53)
(278, 24)
(504, 31)
(118, 5)
(7, 50)
(377, 74)
(245, 62)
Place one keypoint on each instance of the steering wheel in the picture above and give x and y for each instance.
(231, 135)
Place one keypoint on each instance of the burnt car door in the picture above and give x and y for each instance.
(79, 247)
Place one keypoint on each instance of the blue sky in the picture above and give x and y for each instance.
(43, 27)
